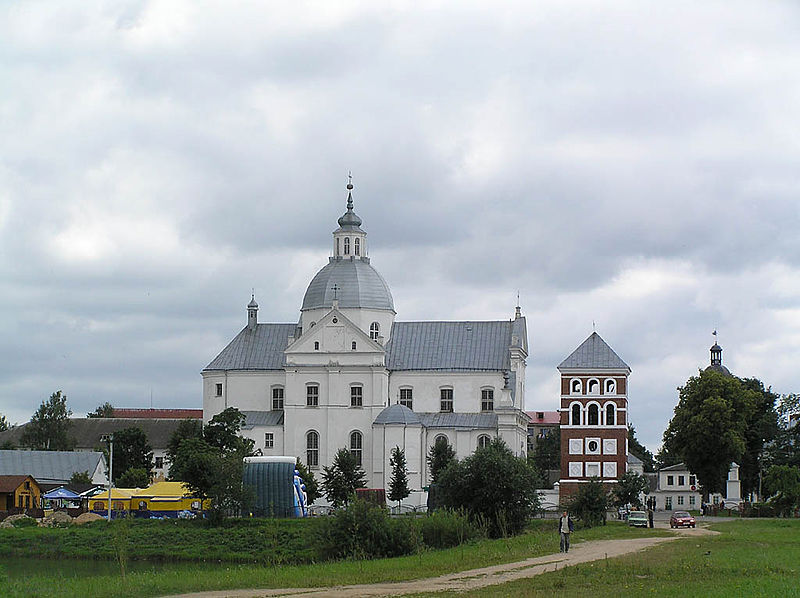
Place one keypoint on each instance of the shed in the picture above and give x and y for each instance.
(20, 492)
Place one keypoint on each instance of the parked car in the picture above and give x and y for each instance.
(637, 519)
(681, 519)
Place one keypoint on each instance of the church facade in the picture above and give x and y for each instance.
(347, 375)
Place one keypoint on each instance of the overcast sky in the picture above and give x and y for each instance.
(632, 164)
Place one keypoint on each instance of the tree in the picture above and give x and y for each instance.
(629, 488)
(340, 480)
(546, 456)
(187, 428)
(782, 483)
(761, 429)
(785, 449)
(132, 451)
(398, 484)
(640, 451)
(709, 427)
(49, 427)
(134, 477)
(440, 455)
(310, 481)
(589, 504)
(104, 410)
(80, 477)
(494, 485)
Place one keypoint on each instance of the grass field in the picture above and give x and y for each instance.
(165, 579)
(750, 558)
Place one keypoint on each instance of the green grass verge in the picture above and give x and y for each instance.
(541, 539)
(750, 558)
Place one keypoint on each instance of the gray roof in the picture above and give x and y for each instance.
(262, 418)
(397, 414)
(459, 420)
(634, 460)
(594, 353)
(48, 466)
(676, 467)
(358, 284)
(451, 345)
(258, 349)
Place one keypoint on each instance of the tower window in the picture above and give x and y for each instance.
(316, 345)
(312, 395)
(575, 387)
(356, 444)
(487, 399)
(446, 400)
(610, 415)
(347, 245)
(277, 398)
(219, 390)
(374, 330)
(356, 396)
(407, 398)
(357, 246)
(593, 387)
(312, 449)
(337, 245)
(593, 416)
(576, 415)
(611, 387)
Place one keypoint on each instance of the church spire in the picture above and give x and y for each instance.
(349, 241)
(252, 313)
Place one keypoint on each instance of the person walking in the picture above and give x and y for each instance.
(565, 528)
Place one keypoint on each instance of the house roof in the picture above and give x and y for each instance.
(258, 349)
(48, 466)
(9, 483)
(594, 353)
(676, 467)
(262, 418)
(547, 417)
(159, 413)
(471, 421)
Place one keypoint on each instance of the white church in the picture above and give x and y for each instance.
(347, 375)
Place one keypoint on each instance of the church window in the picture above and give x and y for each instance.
(312, 395)
(277, 398)
(407, 398)
(593, 416)
(312, 449)
(446, 400)
(576, 415)
(357, 246)
(440, 439)
(269, 440)
(353, 345)
(484, 441)
(575, 387)
(337, 245)
(374, 330)
(611, 387)
(347, 245)
(356, 441)
(356, 396)
(316, 345)
(487, 399)
(219, 390)
(593, 387)
(610, 415)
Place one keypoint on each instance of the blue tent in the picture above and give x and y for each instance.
(62, 493)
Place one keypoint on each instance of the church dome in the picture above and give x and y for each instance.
(354, 282)
(398, 414)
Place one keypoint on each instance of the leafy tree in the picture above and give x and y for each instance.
(310, 481)
(340, 480)
(223, 432)
(639, 450)
(187, 428)
(782, 483)
(761, 429)
(440, 455)
(132, 451)
(629, 488)
(80, 477)
(785, 449)
(589, 504)
(494, 485)
(104, 410)
(546, 456)
(49, 427)
(398, 484)
(134, 477)
(4, 425)
(709, 428)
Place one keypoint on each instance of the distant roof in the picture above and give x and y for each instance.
(594, 353)
(262, 418)
(452, 345)
(459, 420)
(9, 483)
(48, 466)
(159, 413)
(676, 467)
(258, 349)
(633, 459)
(397, 414)
(547, 417)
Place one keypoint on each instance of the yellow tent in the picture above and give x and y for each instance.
(166, 499)
(120, 500)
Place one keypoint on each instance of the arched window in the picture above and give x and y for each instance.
(353, 345)
(575, 420)
(610, 415)
(611, 387)
(484, 441)
(440, 439)
(593, 415)
(575, 387)
(312, 449)
(357, 246)
(347, 245)
(593, 387)
(337, 245)
(374, 330)
(356, 442)
(316, 345)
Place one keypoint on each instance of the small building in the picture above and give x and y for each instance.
(540, 425)
(54, 468)
(677, 489)
(165, 499)
(19, 492)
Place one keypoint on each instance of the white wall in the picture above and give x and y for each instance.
(466, 387)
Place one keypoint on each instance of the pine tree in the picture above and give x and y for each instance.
(398, 483)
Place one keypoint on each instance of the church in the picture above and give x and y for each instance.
(347, 375)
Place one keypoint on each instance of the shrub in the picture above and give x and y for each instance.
(446, 528)
(589, 504)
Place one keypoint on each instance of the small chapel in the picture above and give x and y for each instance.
(348, 375)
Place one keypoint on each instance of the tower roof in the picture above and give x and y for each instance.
(594, 353)
(354, 283)
(349, 220)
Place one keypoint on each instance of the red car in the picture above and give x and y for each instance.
(681, 519)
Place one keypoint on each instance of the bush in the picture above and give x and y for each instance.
(589, 504)
(365, 531)
(758, 509)
(446, 528)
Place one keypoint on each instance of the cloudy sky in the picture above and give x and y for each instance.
(632, 164)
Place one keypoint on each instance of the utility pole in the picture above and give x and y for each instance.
(109, 438)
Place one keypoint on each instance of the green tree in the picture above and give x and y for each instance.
(546, 456)
(310, 481)
(340, 480)
(494, 485)
(709, 427)
(639, 450)
(104, 410)
(785, 449)
(589, 504)
(132, 451)
(80, 477)
(398, 483)
(629, 488)
(440, 455)
(49, 427)
(782, 483)
(187, 428)
(134, 477)
(761, 429)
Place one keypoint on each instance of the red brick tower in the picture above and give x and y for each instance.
(594, 416)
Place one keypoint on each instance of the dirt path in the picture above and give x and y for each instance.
(583, 552)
